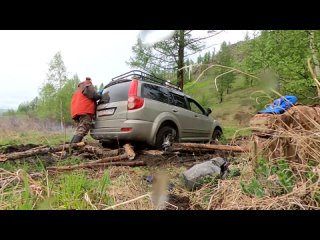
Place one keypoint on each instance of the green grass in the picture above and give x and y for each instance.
(69, 190)
(233, 132)
(240, 99)
(66, 191)
(259, 185)
(34, 137)
(36, 165)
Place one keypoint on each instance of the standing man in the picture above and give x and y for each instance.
(83, 107)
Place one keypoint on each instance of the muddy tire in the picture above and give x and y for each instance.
(107, 144)
(217, 134)
(163, 134)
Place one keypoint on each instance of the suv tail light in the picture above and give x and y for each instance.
(134, 102)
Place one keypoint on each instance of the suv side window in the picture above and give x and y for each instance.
(155, 93)
(195, 107)
(179, 101)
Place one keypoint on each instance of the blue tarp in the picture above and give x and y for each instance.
(280, 105)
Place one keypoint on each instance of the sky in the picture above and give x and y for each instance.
(99, 54)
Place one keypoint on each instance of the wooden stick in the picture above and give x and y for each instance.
(129, 201)
(40, 151)
(129, 151)
(95, 165)
(198, 146)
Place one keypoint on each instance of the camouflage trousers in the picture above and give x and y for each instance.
(83, 125)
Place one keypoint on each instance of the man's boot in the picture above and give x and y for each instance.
(76, 139)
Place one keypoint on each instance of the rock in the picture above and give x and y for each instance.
(194, 176)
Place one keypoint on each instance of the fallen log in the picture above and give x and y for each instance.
(129, 151)
(192, 150)
(204, 147)
(95, 165)
(38, 151)
(152, 152)
(100, 152)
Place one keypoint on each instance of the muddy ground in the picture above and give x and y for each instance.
(176, 163)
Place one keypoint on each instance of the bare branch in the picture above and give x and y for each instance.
(202, 38)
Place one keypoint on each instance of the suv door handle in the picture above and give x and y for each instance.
(174, 110)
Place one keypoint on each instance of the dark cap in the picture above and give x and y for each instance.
(88, 78)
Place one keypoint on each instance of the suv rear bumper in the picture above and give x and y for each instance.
(140, 131)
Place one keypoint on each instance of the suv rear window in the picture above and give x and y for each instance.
(117, 92)
(155, 93)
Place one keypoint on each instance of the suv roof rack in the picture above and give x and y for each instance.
(144, 76)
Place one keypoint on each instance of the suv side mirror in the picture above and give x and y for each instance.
(209, 111)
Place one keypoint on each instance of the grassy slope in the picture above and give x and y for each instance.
(240, 101)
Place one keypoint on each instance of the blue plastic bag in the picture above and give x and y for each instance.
(280, 105)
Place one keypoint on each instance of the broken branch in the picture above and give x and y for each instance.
(38, 151)
(95, 165)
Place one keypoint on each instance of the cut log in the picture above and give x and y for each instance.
(129, 151)
(112, 153)
(39, 151)
(95, 165)
(198, 146)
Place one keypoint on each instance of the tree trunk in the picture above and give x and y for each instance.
(221, 97)
(61, 115)
(315, 59)
(314, 54)
(180, 72)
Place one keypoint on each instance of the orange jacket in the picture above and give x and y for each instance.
(80, 104)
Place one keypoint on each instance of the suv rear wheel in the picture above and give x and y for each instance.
(165, 137)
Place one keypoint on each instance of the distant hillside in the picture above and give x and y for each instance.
(238, 106)
(2, 111)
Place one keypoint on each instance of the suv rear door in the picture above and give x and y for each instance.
(202, 124)
(112, 109)
(180, 110)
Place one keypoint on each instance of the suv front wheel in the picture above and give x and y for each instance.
(165, 137)
(217, 134)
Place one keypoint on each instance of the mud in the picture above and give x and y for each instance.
(182, 202)
(179, 160)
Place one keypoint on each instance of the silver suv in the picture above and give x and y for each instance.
(137, 106)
